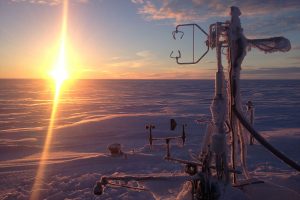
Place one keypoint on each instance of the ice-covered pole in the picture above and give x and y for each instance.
(219, 114)
(236, 54)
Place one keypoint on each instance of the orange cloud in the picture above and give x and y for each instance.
(46, 2)
(189, 10)
(279, 16)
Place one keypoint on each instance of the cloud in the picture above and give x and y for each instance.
(204, 9)
(294, 58)
(170, 73)
(144, 54)
(47, 2)
(141, 59)
(271, 26)
(281, 15)
(296, 47)
(116, 58)
(137, 1)
(272, 73)
(169, 11)
(128, 64)
(273, 70)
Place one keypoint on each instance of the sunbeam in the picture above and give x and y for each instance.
(59, 74)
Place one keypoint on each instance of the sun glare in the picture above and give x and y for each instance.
(59, 72)
(59, 75)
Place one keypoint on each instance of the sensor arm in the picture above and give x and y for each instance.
(182, 34)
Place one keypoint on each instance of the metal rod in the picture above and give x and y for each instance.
(231, 100)
(180, 25)
(263, 142)
(168, 147)
(128, 186)
(143, 177)
(250, 110)
(186, 162)
(163, 138)
(193, 43)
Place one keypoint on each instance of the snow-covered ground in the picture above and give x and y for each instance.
(79, 157)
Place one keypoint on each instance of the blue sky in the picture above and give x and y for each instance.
(132, 39)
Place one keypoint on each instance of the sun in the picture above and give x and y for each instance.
(59, 74)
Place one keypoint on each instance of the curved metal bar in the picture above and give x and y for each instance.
(195, 62)
(207, 43)
(108, 181)
(263, 142)
(182, 25)
(179, 55)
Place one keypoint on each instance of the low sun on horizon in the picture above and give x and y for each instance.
(59, 73)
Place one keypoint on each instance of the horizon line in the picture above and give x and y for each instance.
(146, 79)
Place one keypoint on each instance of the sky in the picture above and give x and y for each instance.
(132, 39)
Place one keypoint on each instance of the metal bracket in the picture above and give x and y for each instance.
(182, 34)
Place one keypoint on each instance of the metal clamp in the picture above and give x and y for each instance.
(176, 57)
(175, 32)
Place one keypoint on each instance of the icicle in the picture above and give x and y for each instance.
(243, 151)
(206, 139)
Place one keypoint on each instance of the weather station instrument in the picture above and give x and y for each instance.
(222, 163)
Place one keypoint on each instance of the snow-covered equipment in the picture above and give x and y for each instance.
(115, 149)
(214, 174)
(167, 140)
